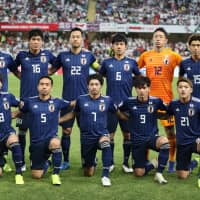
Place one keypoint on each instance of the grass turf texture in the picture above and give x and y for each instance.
(75, 186)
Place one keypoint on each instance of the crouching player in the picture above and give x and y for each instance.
(93, 111)
(187, 116)
(44, 112)
(8, 137)
(142, 112)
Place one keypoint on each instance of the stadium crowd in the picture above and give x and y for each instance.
(43, 11)
(174, 12)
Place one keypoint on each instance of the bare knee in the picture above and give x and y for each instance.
(161, 141)
(139, 172)
(54, 143)
(37, 174)
(13, 138)
(1, 172)
(182, 174)
(89, 171)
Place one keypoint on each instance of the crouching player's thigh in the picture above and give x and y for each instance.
(139, 157)
(88, 154)
(183, 159)
(39, 153)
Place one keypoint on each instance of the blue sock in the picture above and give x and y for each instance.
(65, 143)
(163, 157)
(17, 156)
(148, 167)
(193, 164)
(112, 145)
(22, 142)
(106, 160)
(56, 160)
(47, 164)
(127, 151)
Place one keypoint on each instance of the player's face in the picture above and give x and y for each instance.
(35, 44)
(142, 93)
(184, 90)
(159, 39)
(119, 48)
(94, 87)
(1, 84)
(76, 39)
(45, 87)
(195, 48)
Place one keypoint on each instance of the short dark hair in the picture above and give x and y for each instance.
(119, 37)
(141, 81)
(193, 37)
(76, 29)
(184, 79)
(35, 32)
(48, 77)
(161, 30)
(96, 77)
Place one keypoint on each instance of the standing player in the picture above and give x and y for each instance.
(142, 111)
(190, 67)
(187, 116)
(76, 64)
(34, 64)
(119, 71)
(44, 112)
(160, 63)
(93, 109)
(8, 138)
(6, 63)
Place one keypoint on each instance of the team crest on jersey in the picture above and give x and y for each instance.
(102, 106)
(150, 108)
(2, 62)
(51, 107)
(6, 105)
(166, 60)
(43, 58)
(126, 67)
(83, 60)
(191, 112)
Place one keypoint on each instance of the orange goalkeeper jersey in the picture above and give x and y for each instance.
(160, 69)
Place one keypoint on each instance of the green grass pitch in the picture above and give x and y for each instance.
(75, 186)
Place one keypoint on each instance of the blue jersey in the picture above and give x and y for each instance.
(187, 118)
(93, 116)
(32, 68)
(143, 117)
(6, 101)
(44, 117)
(6, 62)
(76, 69)
(119, 77)
(191, 69)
